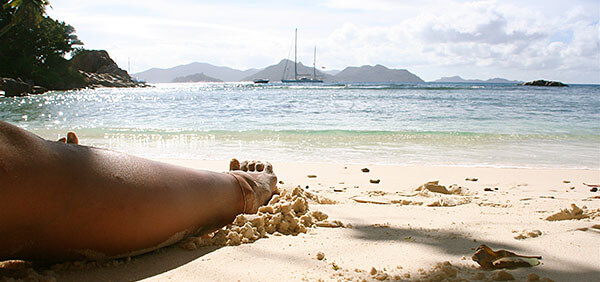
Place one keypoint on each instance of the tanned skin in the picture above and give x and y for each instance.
(63, 201)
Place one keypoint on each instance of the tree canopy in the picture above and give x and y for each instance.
(33, 46)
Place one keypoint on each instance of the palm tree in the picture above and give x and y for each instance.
(27, 12)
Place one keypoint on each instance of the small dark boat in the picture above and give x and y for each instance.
(261, 80)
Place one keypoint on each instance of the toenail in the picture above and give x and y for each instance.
(260, 167)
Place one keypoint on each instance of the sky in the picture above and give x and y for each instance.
(513, 39)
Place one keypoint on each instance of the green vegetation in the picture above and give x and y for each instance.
(33, 46)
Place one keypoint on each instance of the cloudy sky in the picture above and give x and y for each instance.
(514, 39)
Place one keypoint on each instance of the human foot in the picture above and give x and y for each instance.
(261, 179)
(71, 138)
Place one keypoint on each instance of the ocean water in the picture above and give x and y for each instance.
(448, 124)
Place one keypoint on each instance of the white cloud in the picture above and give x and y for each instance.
(431, 38)
(490, 35)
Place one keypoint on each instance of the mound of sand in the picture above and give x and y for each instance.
(435, 187)
(432, 192)
(527, 234)
(574, 213)
(286, 214)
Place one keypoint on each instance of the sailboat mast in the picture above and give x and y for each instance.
(315, 64)
(296, 55)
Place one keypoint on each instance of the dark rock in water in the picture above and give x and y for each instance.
(99, 70)
(595, 189)
(365, 170)
(545, 83)
(375, 181)
(14, 87)
(38, 89)
(17, 87)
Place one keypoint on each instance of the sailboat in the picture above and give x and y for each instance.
(301, 78)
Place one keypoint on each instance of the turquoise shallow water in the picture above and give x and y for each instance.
(496, 125)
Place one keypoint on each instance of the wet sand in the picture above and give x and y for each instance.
(392, 230)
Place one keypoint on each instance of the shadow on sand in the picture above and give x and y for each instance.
(459, 244)
(140, 267)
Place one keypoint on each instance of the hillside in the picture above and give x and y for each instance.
(198, 77)
(274, 73)
(331, 72)
(156, 75)
(376, 73)
(456, 78)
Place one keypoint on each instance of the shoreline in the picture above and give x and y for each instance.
(406, 165)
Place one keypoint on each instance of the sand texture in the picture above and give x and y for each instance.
(415, 223)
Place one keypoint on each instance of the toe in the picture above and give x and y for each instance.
(62, 140)
(251, 166)
(260, 166)
(269, 168)
(72, 138)
(234, 164)
(244, 166)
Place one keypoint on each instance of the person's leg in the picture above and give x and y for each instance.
(65, 201)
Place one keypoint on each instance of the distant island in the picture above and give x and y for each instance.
(197, 77)
(275, 72)
(158, 75)
(377, 73)
(455, 79)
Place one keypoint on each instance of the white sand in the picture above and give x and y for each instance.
(400, 239)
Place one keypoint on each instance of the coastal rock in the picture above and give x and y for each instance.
(545, 83)
(38, 89)
(14, 87)
(99, 70)
(17, 87)
(97, 61)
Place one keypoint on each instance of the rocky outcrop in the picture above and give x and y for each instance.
(96, 67)
(14, 87)
(99, 70)
(17, 87)
(94, 80)
(545, 83)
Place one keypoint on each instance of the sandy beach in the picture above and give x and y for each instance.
(393, 232)
(406, 141)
